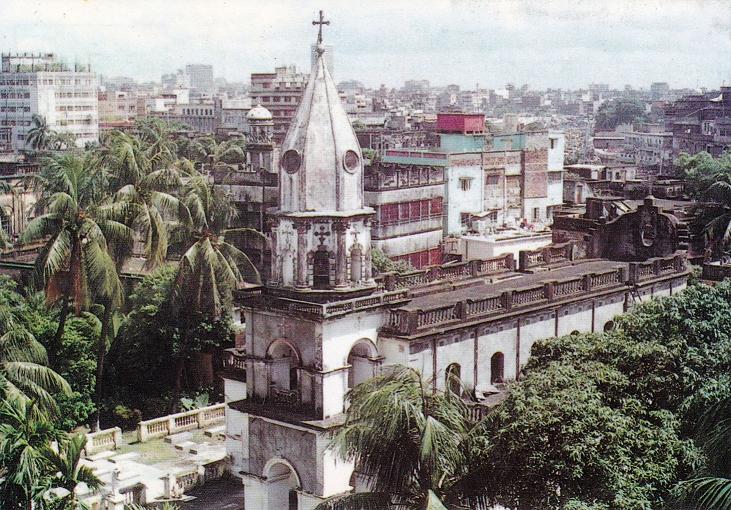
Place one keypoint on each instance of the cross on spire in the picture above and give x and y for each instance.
(321, 22)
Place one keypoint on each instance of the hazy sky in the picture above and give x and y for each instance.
(545, 43)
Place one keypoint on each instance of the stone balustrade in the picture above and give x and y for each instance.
(180, 422)
(652, 268)
(409, 322)
(716, 272)
(447, 272)
(235, 360)
(102, 440)
(551, 254)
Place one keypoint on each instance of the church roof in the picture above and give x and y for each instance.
(321, 158)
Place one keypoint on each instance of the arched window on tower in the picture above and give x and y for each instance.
(321, 270)
(453, 379)
(497, 368)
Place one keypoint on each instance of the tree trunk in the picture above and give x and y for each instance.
(100, 355)
(56, 345)
(179, 367)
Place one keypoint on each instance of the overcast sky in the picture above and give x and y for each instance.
(546, 43)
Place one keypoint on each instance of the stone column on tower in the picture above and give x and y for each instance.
(341, 261)
(302, 279)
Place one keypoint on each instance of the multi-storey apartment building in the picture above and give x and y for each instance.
(39, 84)
(280, 93)
(701, 123)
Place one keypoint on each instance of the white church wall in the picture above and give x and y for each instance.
(570, 320)
(233, 390)
(530, 333)
(499, 341)
(607, 310)
(237, 439)
(336, 472)
(458, 348)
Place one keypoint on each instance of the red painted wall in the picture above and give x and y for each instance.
(460, 123)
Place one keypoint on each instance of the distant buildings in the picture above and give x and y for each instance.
(40, 84)
(201, 78)
(280, 93)
(700, 122)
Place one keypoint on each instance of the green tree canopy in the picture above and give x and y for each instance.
(618, 111)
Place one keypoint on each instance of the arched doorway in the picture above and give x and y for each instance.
(362, 363)
(609, 326)
(497, 368)
(453, 379)
(284, 365)
(282, 483)
(321, 270)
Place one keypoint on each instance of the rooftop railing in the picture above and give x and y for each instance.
(410, 322)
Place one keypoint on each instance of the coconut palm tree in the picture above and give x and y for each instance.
(24, 373)
(40, 135)
(66, 473)
(146, 193)
(414, 445)
(711, 488)
(25, 436)
(80, 225)
(210, 268)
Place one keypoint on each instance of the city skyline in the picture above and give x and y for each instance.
(564, 45)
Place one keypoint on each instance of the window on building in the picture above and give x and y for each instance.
(497, 368)
(453, 378)
(465, 183)
(536, 213)
(553, 142)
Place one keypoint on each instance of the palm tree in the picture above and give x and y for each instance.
(146, 193)
(24, 373)
(711, 489)
(40, 135)
(67, 473)
(25, 436)
(413, 444)
(81, 230)
(155, 136)
(62, 141)
(211, 268)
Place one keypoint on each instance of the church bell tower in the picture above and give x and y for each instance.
(321, 230)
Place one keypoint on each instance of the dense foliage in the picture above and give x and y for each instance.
(618, 111)
(708, 181)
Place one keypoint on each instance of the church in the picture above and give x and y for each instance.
(323, 322)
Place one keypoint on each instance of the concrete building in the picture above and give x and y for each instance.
(39, 84)
(200, 78)
(121, 105)
(700, 123)
(280, 93)
(408, 200)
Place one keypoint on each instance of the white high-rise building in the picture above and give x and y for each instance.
(40, 84)
(200, 77)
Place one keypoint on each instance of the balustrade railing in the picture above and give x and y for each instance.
(410, 321)
(448, 272)
(102, 440)
(180, 422)
(568, 287)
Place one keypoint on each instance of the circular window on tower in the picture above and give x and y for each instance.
(350, 161)
(291, 161)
